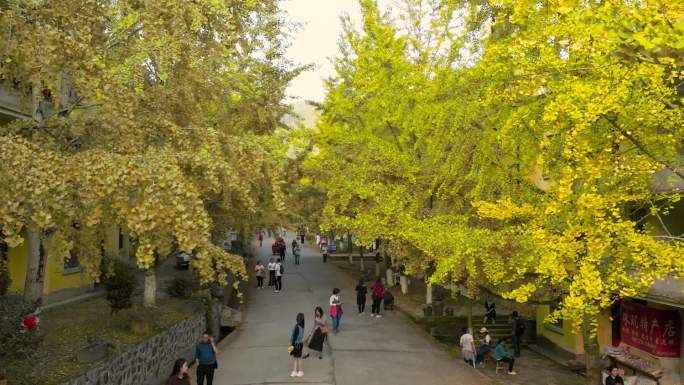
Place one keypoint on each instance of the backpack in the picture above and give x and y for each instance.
(519, 327)
(282, 269)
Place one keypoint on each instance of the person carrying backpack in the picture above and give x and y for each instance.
(517, 332)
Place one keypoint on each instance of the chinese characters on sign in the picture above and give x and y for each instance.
(656, 331)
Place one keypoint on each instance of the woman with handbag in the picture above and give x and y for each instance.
(318, 334)
(296, 346)
(335, 309)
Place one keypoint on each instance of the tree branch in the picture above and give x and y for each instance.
(643, 148)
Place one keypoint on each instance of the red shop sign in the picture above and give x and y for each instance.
(656, 331)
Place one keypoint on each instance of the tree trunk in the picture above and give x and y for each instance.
(213, 315)
(428, 294)
(150, 293)
(470, 313)
(126, 246)
(33, 286)
(389, 277)
(591, 354)
(403, 282)
(362, 266)
(350, 246)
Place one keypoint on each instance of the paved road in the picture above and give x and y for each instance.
(367, 350)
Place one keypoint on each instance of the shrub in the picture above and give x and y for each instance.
(179, 288)
(16, 342)
(120, 285)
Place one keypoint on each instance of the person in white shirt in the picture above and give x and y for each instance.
(485, 346)
(271, 273)
(335, 309)
(467, 346)
(278, 276)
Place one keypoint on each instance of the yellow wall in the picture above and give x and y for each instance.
(17, 266)
(55, 277)
(567, 340)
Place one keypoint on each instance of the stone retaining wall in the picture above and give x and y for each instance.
(149, 362)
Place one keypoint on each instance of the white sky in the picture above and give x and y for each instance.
(316, 41)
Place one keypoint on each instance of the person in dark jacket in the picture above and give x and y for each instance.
(296, 346)
(614, 377)
(179, 374)
(388, 300)
(361, 291)
(490, 312)
(517, 332)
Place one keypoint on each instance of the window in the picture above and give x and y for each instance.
(71, 264)
(555, 326)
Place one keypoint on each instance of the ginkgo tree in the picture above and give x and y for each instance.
(521, 155)
(148, 116)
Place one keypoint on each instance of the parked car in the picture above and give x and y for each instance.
(182, 261)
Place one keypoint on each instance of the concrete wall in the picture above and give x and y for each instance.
(150, 362)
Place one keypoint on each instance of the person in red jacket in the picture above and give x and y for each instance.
(376, 293)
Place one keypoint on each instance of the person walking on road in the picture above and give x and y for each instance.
(501, 355)
(297, 252)
(296, 346)
(517, 332)
(259, 272)
(376, 294)
(271, 273)
(467, 344)
(279, 271)
(361, 291)
(205, 357)
(319, 333)
(335, 309)
(260, 237)
(324, 250)
(179, 374)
